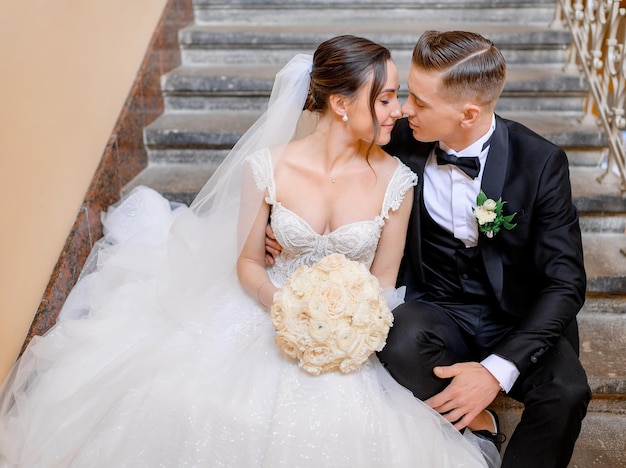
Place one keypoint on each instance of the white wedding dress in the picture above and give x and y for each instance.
(118, 382)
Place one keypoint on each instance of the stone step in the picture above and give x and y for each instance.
(563, 129)
(215, 4)
(205, 131)
(195, 136)
(605, 262)
(602, 327)
(602, 344)
(175, 181)
(611, 304)
(601, 441)
(597, 196)
(280, 13)
(200, 89)
(214, 45)
(602, 221)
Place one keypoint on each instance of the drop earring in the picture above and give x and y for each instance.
(345, 117)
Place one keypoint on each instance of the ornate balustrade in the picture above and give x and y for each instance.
(598, 30)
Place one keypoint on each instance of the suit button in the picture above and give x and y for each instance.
(533, 359)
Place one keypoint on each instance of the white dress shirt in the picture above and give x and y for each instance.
(449, 196)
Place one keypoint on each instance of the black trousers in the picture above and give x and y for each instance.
(554, 391)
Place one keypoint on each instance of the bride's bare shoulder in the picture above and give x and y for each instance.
(288, 159)
(384, 160)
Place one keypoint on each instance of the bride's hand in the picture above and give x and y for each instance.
(272, 247)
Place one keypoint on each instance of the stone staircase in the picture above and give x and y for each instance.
(234, 48)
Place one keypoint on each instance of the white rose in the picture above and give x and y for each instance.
(363, 288)
(346, 338)
(489, 205)
(317, 308)
(384, 313)
(362, 315)
(319, 330)
(348, 365)
(354, 347)
(377, 338)
(299, 283)
(484, 216)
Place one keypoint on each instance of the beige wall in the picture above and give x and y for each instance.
(66, 67)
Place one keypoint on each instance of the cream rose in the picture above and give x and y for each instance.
(489, 205)
(317, 358)
(484, 216)
(330, 263)
(279, 318)
(289, 347)
(335, 298)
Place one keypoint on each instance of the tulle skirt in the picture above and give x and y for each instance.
(122, 380)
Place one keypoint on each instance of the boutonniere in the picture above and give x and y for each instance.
(489, 215)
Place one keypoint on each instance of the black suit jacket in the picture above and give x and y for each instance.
(536, 270)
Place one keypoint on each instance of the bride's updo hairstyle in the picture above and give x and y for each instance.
(343, 65)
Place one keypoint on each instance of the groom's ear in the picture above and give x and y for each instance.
(471, 114)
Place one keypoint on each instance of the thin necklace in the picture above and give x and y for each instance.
(341, 171)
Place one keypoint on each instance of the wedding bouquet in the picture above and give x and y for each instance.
(331, 316)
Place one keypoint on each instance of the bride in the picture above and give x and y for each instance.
(164, 353)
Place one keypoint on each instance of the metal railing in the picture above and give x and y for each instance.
(598, 30)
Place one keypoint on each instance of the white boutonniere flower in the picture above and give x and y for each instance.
(489, 215)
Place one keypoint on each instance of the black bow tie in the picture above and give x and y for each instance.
(470, 165)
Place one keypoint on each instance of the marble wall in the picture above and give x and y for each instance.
(122, 158)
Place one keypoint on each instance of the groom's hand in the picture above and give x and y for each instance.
(471, 390)
(272, 247)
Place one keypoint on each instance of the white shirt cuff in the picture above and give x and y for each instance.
(503, 370)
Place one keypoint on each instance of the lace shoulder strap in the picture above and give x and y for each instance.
(402, 179)
(263, 172)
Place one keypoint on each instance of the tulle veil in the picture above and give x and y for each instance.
(199, 252)
(175, 262)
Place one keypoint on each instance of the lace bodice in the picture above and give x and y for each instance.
(304, 246)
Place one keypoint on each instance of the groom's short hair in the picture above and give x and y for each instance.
(472, 67)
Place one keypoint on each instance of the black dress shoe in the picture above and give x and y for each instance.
(497, 438)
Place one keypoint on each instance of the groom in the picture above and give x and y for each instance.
(485, 314)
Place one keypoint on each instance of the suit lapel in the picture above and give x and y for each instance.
(492, 185)
(495, 166)
(417, 163)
